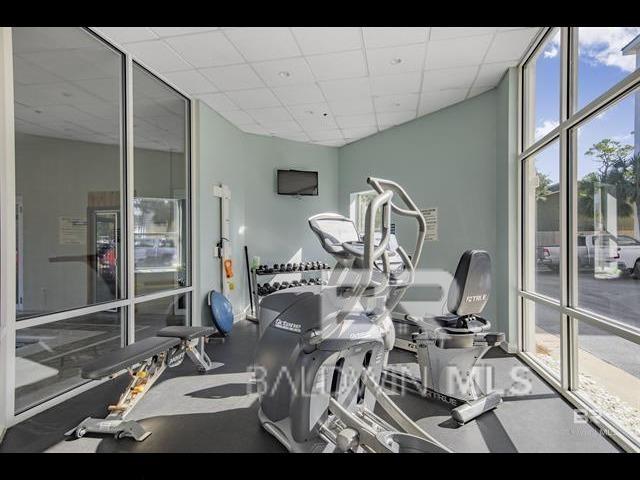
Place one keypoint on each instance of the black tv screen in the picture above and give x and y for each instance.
(297, 182)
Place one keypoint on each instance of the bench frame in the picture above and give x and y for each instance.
(143, 376)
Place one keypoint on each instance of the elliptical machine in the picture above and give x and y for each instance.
(323, 348)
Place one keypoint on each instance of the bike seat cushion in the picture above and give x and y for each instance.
(128, 356)
(471, 284)
(186, 333)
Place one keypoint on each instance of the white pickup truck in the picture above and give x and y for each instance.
(627, 253)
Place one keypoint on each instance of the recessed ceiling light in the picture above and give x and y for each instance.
(396, 61)
(284, 74)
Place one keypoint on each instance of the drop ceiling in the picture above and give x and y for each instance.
(324, 85)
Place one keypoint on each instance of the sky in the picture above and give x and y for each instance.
(600, 66)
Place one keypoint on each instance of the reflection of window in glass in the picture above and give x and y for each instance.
(606, 55)
(68, 98)
(362, 203)
(160, 177)
(609, 376)
(157, 238)
(49, 357)
(157, 314)
(608, 205)
(542, 90)
(542, 221)
(542, 335)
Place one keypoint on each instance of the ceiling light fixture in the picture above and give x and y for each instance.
(396, 61)
(284, 74)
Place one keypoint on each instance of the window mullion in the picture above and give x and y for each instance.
(129, 231)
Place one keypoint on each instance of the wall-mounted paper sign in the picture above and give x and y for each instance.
(72, 231)
(431, 217)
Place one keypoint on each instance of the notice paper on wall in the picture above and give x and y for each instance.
(72, 231)
(431, 217)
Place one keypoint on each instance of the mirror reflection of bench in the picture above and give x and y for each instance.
(145, 361)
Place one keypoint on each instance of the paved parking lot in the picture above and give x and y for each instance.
(617, 298)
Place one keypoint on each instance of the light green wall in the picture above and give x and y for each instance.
(460, 159)
(447, 160)
(274, 227)
(507, 206)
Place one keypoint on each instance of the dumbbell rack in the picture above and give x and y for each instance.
(254, 283)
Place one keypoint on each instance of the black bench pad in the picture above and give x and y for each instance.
(128, 356)
(186, 333)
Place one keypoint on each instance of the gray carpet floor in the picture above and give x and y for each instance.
(217, 412)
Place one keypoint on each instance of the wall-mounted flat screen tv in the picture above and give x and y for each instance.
(297, 182)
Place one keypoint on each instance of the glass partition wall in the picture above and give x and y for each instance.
(580, 236)
(103, 197)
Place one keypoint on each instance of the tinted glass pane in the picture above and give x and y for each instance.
(49, 357)
(68, 97)
(542, 221)
(606, 55)
(160, 176)
(156, 314)
(542, 324)
(542, 90)
(609, 369)
(608, 150)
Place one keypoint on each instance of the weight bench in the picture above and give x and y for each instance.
(145, 361)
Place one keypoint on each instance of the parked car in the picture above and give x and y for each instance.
(155, 252)
(625, 253)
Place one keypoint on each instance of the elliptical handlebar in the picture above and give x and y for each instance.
(381, 185)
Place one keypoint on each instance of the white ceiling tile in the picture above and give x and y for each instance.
(325, 135)
(358, 132)
(391, 103)
(382, 61)
(107, 89)
(379, 37)
(192, 81)
(393, 84)
(351, 121)
(457, 52)
(352, 107)
(300, 112)
(478, 90)
(432, 101)
(314, 117)
(271, 114)
(338, 65)
(218, 101)
(209, 49)
(445, 33)
(233, 77)
(238, 117)
(510, 45)
(257, 98)
(158, 56)
(347, 89)
(318, 40)
(441, 79)
(264, 43)
(173, 31)
(279, 128)
(491, 73)
(254, 128)
(395, 118)
(299, 94)
(127, 34)
(289, 71)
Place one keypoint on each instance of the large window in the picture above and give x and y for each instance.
(580, 244)
(102, 227)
